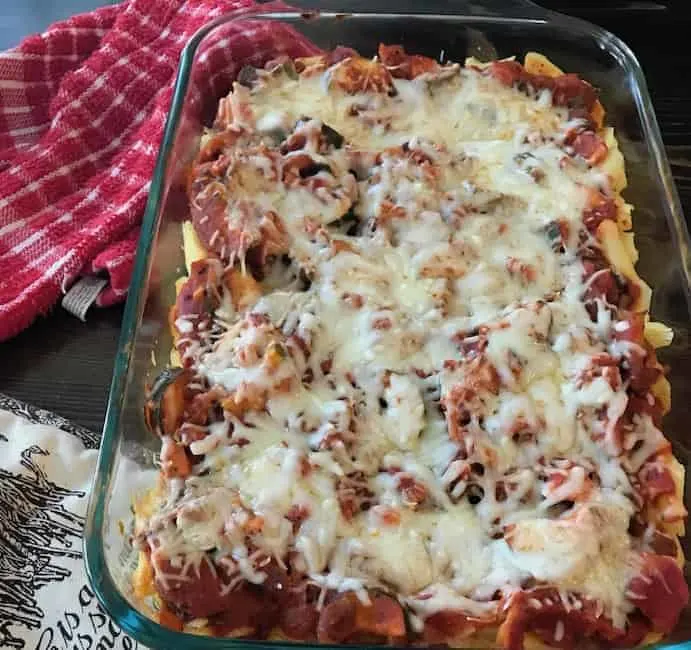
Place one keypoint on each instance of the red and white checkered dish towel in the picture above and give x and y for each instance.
(82, 110)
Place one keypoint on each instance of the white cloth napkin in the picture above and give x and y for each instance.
(46, 602)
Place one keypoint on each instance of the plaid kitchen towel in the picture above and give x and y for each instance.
(82, 110)
(46, 601)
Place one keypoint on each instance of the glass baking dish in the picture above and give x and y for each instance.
(487, 29)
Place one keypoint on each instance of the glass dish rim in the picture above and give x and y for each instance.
(140, 627)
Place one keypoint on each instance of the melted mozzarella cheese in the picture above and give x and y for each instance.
(448, 251)
(588, 553)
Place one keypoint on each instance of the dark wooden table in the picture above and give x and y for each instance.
(64, 365)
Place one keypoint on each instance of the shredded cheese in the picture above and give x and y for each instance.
(442, 398)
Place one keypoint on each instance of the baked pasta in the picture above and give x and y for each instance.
(414, 397)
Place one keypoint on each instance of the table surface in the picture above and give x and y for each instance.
(64, 365)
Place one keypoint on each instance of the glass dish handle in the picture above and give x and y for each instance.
(499, 8)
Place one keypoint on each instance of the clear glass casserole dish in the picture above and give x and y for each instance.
(488, 29)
